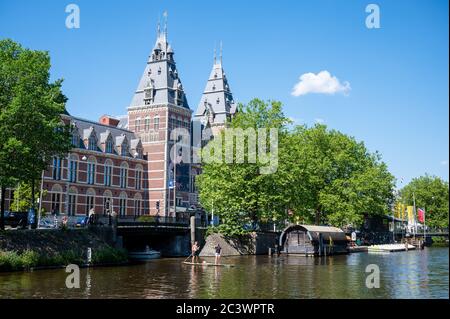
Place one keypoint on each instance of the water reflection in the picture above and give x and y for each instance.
(414, 274)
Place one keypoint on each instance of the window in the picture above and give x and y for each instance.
(92, 143)
(56, 168)
(72, 202)
(75, 140)
(109, 146)
(90, 201)
(147, 123)
(138, 179)
(123, 175)
(156, 123)
(123, 204)
(137, 124)
(107, 203)
(56, 199)
(124, 149)
(91, 172)
(107, 174)
(73, 168)
(137, 207)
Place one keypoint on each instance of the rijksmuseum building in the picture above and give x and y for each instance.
(122, 164)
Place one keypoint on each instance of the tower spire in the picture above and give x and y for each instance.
(165, 23)
(158, 28)
(215, 54)
(221, 52)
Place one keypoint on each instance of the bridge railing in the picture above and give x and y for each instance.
(152, 221)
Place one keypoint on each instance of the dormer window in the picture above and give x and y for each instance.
(75, 140)
(109, 146)
(124, 149)
(92, 143)
(215, 75)
(218, 101)
(214, 87)
(149, 72)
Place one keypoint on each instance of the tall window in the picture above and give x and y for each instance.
(123, 204)
(73, 168)
(107, 174)
(75, 140)
(124, 149)
(72, 202)
(137, 124)
(109, 146)
(90, 201)
(92, 143)
(123, 175)
(156, 123)
(138, 179)
(137, 207)
(147, 123)
(91, 172)
(56, 168)
(56, 199)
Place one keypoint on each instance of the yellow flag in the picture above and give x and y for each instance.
(410, 214)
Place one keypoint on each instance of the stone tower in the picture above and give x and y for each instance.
(158, 106)
(216, 105)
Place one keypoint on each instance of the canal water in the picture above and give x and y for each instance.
(413, 274)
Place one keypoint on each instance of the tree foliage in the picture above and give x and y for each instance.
(431, 194)
(323, 176)
(31, 130)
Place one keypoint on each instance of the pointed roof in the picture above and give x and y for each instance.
(217, 101)
(160, 83)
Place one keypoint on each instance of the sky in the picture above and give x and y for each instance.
(386, 86)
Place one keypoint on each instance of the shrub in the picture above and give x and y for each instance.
(109, 255)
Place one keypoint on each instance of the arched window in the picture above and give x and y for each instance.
(73, 168)
(107, 175)
(138, 178)
(72, 201)
(109, 146)
(124, 149)
(56, 168)
(91, 170)
(147, 124)
(156, 123)
(56, 199)
(123, 204)
(137, 124)
(123, 175)
(107, 203)
(137, 204)
(90, 200)
(75, 139)
(92, 143)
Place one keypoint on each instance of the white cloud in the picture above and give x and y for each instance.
(322, 82)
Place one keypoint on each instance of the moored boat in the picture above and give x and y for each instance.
(146, 254)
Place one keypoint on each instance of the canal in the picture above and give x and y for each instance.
(413, 274)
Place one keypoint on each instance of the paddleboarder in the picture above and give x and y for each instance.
(194, 251)
(218, 250)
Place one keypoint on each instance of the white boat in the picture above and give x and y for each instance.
(390, 248)
(146, 254)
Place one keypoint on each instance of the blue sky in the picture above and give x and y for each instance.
(398, 74)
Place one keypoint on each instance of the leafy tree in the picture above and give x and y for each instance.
(431, 194)
(240, 193)
(22, 197)
(341, 179)
(31, 129)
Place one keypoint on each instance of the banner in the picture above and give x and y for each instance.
(421, 215)
(411, 218)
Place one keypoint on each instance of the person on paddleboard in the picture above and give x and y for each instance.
(217, 254)
(194, 251)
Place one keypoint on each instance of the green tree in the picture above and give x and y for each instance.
(431, 194)
(31, 129)
(241, 193)
(22, 196)
(341, 179)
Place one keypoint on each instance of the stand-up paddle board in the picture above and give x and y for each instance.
(207, 264)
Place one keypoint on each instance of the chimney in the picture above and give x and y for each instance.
(108, 120)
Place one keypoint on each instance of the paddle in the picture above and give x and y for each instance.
(190, 255)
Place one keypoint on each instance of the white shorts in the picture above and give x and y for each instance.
(217, 254)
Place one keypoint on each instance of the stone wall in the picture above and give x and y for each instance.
(252, 244)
